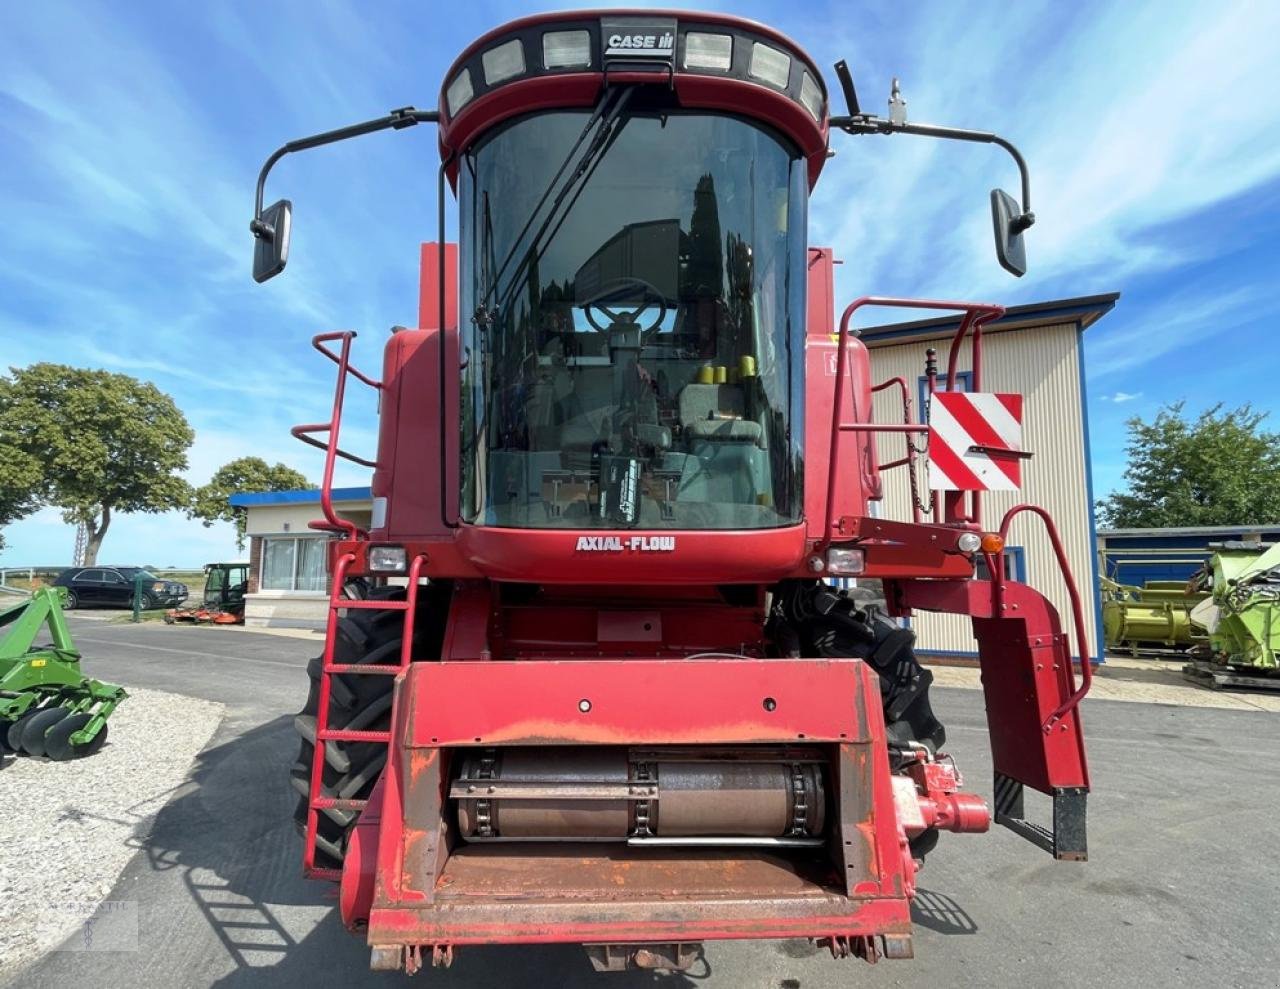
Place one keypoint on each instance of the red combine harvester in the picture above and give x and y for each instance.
(597, 685)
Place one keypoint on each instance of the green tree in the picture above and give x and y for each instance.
(20, 482)
(1221, 468)
(212, 501)
(104, 443)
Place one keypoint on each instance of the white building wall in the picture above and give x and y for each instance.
(292, 609)
(1042, 364)
(273, 520)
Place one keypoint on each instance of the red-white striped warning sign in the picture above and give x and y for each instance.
(975, 442)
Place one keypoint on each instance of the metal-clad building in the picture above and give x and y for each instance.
(1036, 351)
(1134, 556)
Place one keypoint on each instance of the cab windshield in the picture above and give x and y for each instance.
(632, 325)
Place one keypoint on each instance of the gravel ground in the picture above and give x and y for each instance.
(80, 822)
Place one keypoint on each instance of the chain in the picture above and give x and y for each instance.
(799, 801)
(484, 817)
(644, 775)
(912, 448)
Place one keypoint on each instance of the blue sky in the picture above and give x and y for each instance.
(131, 134)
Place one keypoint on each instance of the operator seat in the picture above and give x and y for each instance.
(726, 463)
(717, 413)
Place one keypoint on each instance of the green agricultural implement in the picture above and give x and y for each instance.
(1242, 621)
(1153, 618)
(47, 706)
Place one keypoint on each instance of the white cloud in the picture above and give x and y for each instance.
(1130, 116)
(1120, 396)
(1129, 339)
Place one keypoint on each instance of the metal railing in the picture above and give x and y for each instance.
(975, 316)
(333, 522)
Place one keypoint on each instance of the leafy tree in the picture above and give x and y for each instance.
(103, 443)
(1218, 469)
(20, 481)
(212, 501)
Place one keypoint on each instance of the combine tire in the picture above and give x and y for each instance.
(34, 730)
(57, 740)
(357, 703)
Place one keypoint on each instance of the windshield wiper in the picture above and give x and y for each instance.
(605, 121)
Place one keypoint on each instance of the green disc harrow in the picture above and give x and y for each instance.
(47, 706)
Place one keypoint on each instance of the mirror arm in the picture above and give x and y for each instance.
(395, 120)
(865, 123)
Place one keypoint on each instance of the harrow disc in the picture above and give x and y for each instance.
(34, 731)
(57, 742)
(13, 738)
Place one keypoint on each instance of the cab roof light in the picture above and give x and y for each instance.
(566, 49)
(708, 51)
(811, 96)
(503, 62)
(459, 92)
(770, 65)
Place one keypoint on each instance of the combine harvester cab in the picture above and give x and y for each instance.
(587, 678)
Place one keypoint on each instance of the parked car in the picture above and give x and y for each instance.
(112, 587)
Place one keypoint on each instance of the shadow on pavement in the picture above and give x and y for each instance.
(229, 831)
(939, 912)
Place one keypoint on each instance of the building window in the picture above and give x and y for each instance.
(294, 563)
(964, 382)
(1015, 565)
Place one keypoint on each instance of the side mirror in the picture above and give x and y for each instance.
(1009, 222)
(271, 240)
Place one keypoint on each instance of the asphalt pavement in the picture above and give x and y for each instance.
(1181, 888)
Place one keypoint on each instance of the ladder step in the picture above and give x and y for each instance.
(333, 803)
(341, 735)
(317, 873)
(365, 605)
(380, 669)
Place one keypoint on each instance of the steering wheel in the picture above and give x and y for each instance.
(624, 288)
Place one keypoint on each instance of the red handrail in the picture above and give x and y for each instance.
(332, 521)
(1077, 609)
(316, 802)
(976, 315)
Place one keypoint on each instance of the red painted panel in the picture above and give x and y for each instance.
(686, 919)
(1025, 677)
(820, 317)
(429, 286)
(857, 450)
(409, 436)
(634, 702)
(560, 556)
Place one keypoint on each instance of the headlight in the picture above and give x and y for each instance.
(847, 562)
(387, 559)
(159, 585)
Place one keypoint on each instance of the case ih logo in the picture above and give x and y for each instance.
(649, 38)
(630, 544)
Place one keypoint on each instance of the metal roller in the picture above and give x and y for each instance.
(617, 794)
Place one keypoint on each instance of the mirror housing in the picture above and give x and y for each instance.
(271, 240)
(1009, 223)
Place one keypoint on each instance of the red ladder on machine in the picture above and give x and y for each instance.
(316, 801)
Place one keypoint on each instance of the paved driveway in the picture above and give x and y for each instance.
(1181, 889)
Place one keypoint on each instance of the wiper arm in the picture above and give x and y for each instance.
(603, 118)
